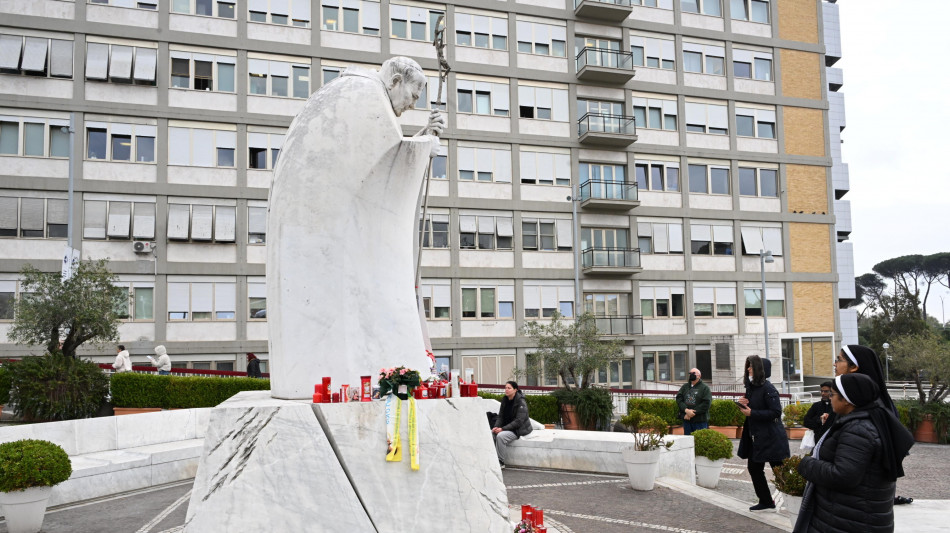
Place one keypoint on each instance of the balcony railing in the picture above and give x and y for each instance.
(622, 3)
(605, 57)
(608, 190)
(611, 257)
(603, 123)
(612, 10)
(619, 325)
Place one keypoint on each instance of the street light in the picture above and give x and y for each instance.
(887, 366)
(765, 256)
(574, 199)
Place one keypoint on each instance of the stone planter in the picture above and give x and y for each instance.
(793, 504)
(707, 472)
(730, 431)
(569, 417)
(119, 411)
(677, 430)
(796, 433)
(24, 510)
(642, 467)
(925, 432)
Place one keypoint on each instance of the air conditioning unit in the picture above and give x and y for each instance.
(143, 247)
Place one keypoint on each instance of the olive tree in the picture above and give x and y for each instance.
(573, 350)
(925, 358)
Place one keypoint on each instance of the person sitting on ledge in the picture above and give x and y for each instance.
(512, 421)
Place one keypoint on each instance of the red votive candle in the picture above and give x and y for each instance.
(529, 516)
(317, 397)
(539, 517)
(335, 398)
(525, 509)
(326, 390)
(366, 389)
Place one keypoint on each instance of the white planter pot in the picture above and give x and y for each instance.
(793, 504)
(642, 467)
(707, 472)
(24, 510)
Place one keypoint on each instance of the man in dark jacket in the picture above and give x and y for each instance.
(512, 421)
(821, 416)
(693, 400)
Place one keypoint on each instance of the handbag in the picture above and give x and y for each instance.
(808, 441)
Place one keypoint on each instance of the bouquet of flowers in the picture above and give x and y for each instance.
(390, 380)
(524, 527)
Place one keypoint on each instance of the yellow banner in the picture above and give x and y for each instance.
(395, 442)
(413, 435)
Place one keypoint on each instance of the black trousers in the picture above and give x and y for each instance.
(761, 485)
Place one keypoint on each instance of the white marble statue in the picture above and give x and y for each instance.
(342, 218)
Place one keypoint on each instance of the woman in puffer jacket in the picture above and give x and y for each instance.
(853, 471)
(763, 436)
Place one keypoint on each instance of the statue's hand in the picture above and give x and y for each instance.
(435, 146)
(436, 123)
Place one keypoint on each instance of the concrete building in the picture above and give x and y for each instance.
(691, 134)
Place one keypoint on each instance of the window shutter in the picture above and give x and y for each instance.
(31, 217)
(145, 60)
(179, 218)
(548, 297)
(772, 239)
(504, 226)
(528, 169)
(502, 166)
(224, 223)
(94, 220)
(57, 211)
(257, 220)
(97, 61)
(201, 297)
(661, 241)
(676, 237)
(499, 96)
(143, 223)
(725, 295)
(179, 146)
(703, 295)
(752, 240)
(120, 215)
(722, 233)
(121, 65)
(486, 225)
(61, 58)
(257, 290)
(564, 233)
(466, 224)
(178, 297)
(203, 146)
(442, 296)
(201, 222)
(532, 297)
(8, 212)
(700, 232)
(225, 297)
(466, 158)
(34, 54)
(10, 46)
(506, 293)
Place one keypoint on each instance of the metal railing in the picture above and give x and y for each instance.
(619, 324)
(604, 57)
(611, 257)
(623, 3)
(608, 190)
(604, 123)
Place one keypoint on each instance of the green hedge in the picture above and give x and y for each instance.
(5, 384)
(178, 392)
(56, 387)
(725, 413)
(665, 408)
(794, 414)
(543, 408)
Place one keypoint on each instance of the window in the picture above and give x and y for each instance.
(33, 217)
(34, 136)
(711, 239)
(353, 16)
(207, 8)
(485, 232)
(603, 238)
(541, 39)
(547, 234)
(112, 141)
(140, 4)
(122, 64)
(263, 150)
(653, 52)
(606, 304)
(482, 97)
(711, 8)
(660, 237)
(484, 164)
(438, 168)
(758, 182)
(665, 366)
(708, 179)
(545, 168)
(435, 232)
(654, 113)
(707, 118)
(10, 290)
(704, 58)
(282, 12)
(118, 219)
(752, 64)
(604, 180)
(775, 301)
(542, 103)
(662, 302)
(201, 301)
(331, 73)
(256, 298)
(657, 176)
(714, 301)
(256, 224)
(599, 53)
(481, 31)
(542, 298)
(201, 223)
(756, 238)
(199, 147)
(436, 299)
(278, 78)
(432, 88)
(486, 302)
(202, 72)
(413, 22)
(36, 56)
(751, 10)
(139, 304)
(755, 122)
(662, 4)
(598, 107)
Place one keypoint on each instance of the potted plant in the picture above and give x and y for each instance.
(643, 458)
(28, 470)
(794, 418)
(566, 398)
(712, 449)
(791, 484)
(594, 408)
(725, 417)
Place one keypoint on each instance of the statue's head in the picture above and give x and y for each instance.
(404, 82)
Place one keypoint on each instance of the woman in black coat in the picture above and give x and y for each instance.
(763, 436)
(853, 471)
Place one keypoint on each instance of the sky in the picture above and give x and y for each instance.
(896, 84)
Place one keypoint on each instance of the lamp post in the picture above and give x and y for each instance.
(765, 256)
(887, 363)
(574, 198)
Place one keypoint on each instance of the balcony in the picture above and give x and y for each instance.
(610, 195)
(619, 325)
(612, 10)
(617, 131)
(611, 261)
(602, 65)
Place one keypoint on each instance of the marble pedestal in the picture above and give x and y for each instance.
(289, 465)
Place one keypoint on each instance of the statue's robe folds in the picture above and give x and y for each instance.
(342, 217)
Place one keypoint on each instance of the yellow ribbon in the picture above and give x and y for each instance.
(395, 444)
(413, 435)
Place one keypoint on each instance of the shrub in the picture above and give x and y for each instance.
(648, 430)
(32, 463)
(177, 392)
(794, 414)
(712, 445)
(565, 396)
(594, 407)
(664, 408)
(57, 387)
(725, 413)
(903, 412)
(543, 408)
(4, 385)
(787, 478)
